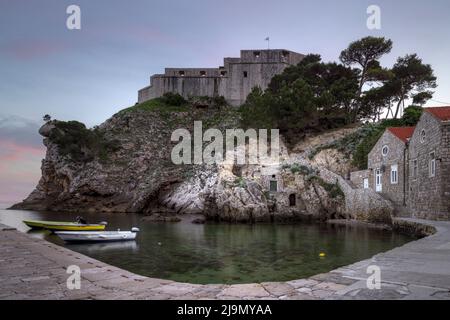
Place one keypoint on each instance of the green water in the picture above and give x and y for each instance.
(223, 253)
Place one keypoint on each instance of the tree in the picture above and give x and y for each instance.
(412, 115)
(312, 95)
(47, 118)
(411, 79)
(365, 54)
(256, 112)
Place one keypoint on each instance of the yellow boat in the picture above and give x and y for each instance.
(64, 226)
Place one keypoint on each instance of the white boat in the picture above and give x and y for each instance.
(97, 236)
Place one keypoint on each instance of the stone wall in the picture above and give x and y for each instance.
(357, 178)
(234, 80)
(395, 156)
(361, 204)
(429, 196)
(444, 168)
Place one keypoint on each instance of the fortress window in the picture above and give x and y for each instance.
(245, 74)
(223, 73)
(285, 54)
(181, 73)
(256, 54)
(292, 200)
(273, 186)
(203, 73)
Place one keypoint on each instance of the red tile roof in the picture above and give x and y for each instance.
(442, 113)
(403, 133)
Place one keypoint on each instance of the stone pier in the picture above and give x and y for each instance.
(32, 268)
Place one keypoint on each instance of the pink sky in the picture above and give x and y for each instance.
(19, 170)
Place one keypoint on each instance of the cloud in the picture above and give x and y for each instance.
(26, 49)
(20, 131)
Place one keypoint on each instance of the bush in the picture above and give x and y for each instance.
(173, 99)
(333, 189)
(304, 170)
(240, 182)
(81, 144)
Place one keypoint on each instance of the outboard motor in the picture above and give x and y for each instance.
(134, 229)
(81, 220)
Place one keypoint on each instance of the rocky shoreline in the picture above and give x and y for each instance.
(124, 165)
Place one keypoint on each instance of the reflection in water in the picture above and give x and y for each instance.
(223, 253)
(95, 248)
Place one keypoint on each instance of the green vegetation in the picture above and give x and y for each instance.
(304, 170)
(309, 97)
(169, 102)
(346, 145)
(333, 189)
(172, 99)
(314, 96)
(358, 144)
(81, 144)
(372, 132)
(240, 182)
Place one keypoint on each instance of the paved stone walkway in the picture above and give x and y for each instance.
(36, 269)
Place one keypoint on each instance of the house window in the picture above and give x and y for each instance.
(203, 73)
(292, 200)
(273, 187)
(181, 73)
(415, 168)
(385, 151)
(366, 183)
(394, 174)
(245, 74)
(423, 135)
(432, 165)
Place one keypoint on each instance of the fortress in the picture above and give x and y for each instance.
(234, 80)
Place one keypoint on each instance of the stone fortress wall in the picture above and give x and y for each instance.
(234, 80)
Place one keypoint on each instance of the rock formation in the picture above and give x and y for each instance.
(124, 165)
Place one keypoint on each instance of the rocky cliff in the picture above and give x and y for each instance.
(124, 165)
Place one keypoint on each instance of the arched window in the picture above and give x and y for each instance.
(292, 200)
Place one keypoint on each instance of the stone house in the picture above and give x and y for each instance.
(429, 163)
(387, 164)
(410, 166)
(234, 80)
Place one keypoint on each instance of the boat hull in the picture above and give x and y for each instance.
(63, 226)
(103, 236)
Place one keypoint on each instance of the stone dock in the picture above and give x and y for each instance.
(32, 268)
